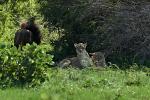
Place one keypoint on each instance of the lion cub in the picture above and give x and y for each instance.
(98, 59)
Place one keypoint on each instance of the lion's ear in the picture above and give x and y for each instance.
(104, 53)
(85, 44)
(75, 45)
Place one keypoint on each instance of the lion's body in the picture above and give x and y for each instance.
(82, 60)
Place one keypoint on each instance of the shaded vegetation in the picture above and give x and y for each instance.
(120, 28)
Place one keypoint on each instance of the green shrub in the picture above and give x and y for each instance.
(24, 67)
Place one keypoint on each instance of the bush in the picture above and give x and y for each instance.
(119, 28)
(24, 67)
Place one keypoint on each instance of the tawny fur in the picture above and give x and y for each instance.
(98, 59)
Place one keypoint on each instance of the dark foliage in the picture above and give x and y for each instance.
(120, 28)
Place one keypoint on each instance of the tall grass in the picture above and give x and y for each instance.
(87, 84)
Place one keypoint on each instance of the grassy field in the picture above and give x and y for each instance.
(87, 84)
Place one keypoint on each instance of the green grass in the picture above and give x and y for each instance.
(87, 84)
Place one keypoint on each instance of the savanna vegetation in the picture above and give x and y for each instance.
(118, 28)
